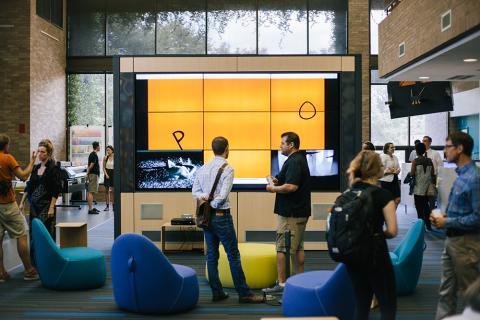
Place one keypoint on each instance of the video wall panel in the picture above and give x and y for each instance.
(182, 113)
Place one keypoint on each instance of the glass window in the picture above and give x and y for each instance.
(130, 27)
(232, 27)
(86, 99)
(327, 27)
(376, 16)
(434, 125)
(51, 10)
(180, 27)
(86, 28)
(109, 108)
(282, 27)
(383, 128)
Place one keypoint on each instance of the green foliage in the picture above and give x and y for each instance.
(86, 99)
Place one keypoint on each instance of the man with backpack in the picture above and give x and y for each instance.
(356, 236)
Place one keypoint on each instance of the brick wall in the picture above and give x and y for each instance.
(48, 83)
(359, 43)
(417, 23)
(15, 75)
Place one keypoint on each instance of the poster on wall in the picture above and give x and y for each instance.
(81, 138)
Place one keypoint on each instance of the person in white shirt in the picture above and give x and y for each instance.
(413, 154)
(433, 154)
(220, 228)
(391, 165)
(437, 163)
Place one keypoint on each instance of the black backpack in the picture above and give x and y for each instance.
(350, 234)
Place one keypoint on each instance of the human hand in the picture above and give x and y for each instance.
(107, 176)
(21, 208)
(204, 197)
(270, 188)
(437, 218)
(34, 156)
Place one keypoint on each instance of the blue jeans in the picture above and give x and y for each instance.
(221, 230)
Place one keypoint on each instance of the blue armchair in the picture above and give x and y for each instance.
(144, 281)
(68, 268)
(407, 259)
(320, 293)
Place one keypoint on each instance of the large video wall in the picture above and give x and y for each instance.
(178, 115)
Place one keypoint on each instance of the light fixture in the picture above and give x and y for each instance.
(470, 60)
(423, 78)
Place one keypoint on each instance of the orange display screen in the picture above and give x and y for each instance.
(251, 111)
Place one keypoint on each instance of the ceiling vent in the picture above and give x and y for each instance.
(446, 20)
(461, 77)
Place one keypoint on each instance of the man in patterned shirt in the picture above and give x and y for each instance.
(220, 228)
(461, 256)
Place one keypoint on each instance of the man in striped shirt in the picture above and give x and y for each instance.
(220, 228)
(461, 256)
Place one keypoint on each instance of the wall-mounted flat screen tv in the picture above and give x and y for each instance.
(168, 170)
(184, 112)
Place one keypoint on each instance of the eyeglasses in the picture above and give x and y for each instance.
(449, 146)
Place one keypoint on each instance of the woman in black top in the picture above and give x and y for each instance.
(377, 276)
(43, 188)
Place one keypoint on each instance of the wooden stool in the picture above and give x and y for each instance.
(72, 234)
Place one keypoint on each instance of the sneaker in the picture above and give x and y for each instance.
(277, 288)
(93, 212)
(254, 298)
(95, 209)
(31, 275)
(106, 209)
(220, 297)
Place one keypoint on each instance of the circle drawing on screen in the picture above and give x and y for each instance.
(301, 110)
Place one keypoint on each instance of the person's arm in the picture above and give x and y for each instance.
(284, 188)
(226, 183)
(413, 170)
(104, 167)
(24, 173)
(293, 177)
(386, 170)
(397, 165)
(21, 206)
(51, 209)
(389, 213)
(197, 192)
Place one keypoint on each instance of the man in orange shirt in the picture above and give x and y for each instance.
(11, 219)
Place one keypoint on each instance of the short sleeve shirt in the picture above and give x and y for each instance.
(7, 165)
(296, 204)
(93, 158)
(380, 198)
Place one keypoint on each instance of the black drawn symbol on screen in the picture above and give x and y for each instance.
(303, 105)
(178, 136)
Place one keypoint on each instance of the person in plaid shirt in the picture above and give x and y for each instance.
(461, 256)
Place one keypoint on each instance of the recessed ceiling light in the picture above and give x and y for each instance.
(470, 60)
(423, 78)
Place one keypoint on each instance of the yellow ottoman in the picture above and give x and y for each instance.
(259, 262)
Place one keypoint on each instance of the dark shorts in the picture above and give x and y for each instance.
(393, 187)
(108, 182)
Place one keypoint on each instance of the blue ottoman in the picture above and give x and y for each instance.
(320, 293)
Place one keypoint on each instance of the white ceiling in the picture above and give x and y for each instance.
(446, 63)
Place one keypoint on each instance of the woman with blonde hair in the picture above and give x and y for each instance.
(377, 276)
(43, 189)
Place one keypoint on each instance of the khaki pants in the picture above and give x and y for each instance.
(297, 228)
(460, 268)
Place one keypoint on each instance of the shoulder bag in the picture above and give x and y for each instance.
(204, 209)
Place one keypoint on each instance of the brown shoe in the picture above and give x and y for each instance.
(254, 298)
(220, 297)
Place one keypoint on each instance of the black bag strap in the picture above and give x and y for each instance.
(217, 179)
